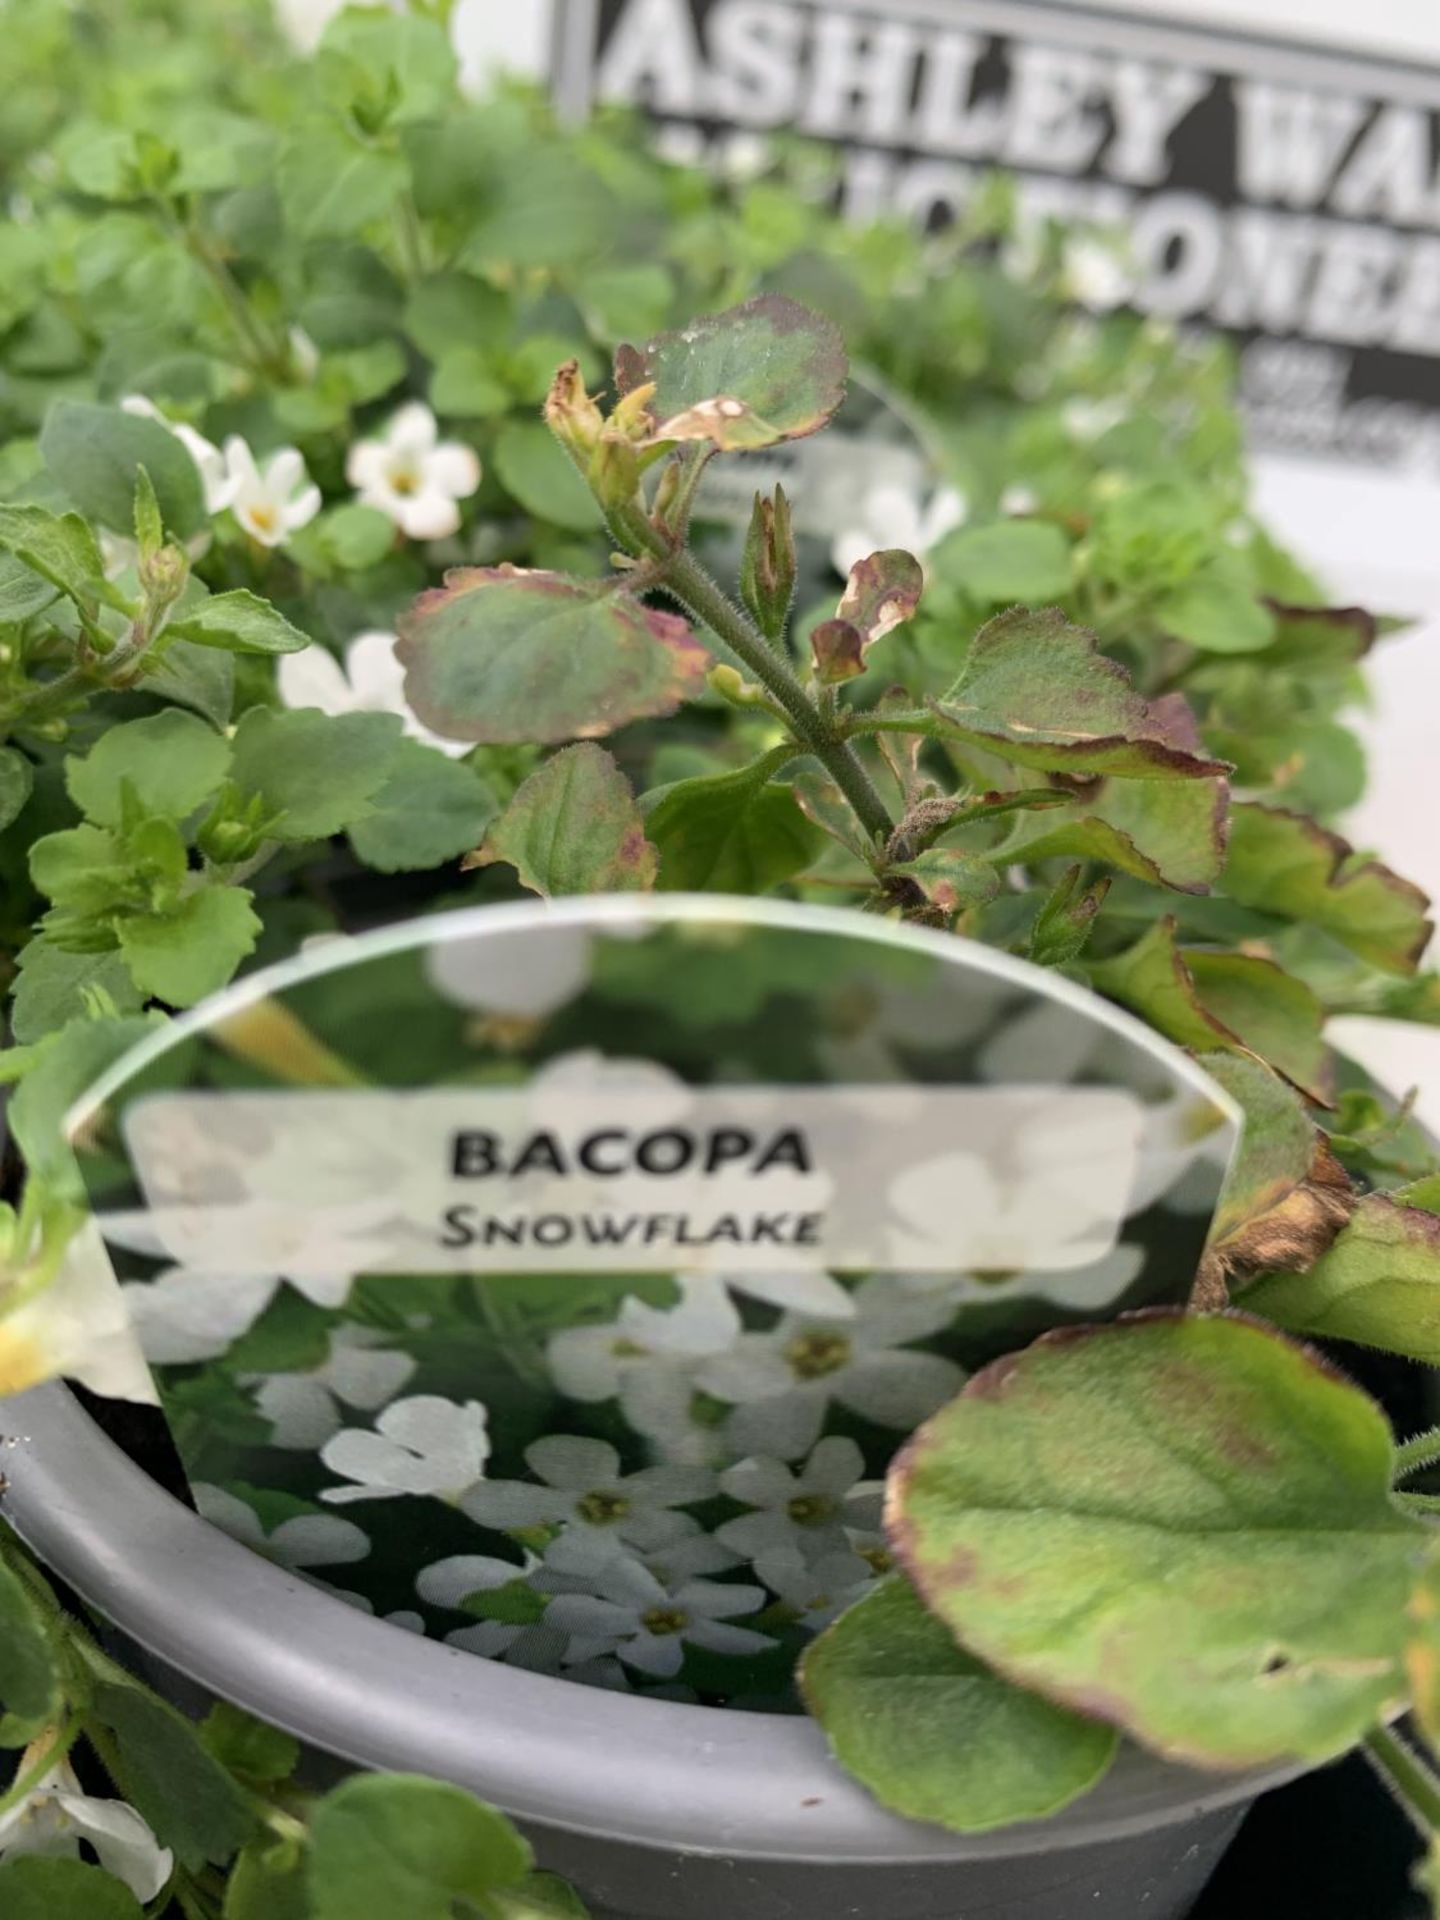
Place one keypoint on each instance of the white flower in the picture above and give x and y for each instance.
(372, 680)
(802, 1512)
(59, 1815)
(891, 515)
(490, 40)
(648, 1623)
(220, 483)
(1086, 1289)
(1095, 272)
(1085, 419)
(585, 1490)
(1019, 500)
(272, 503)
(412, 476)
(76, 1324)
(518, 975)
(305, 1540)
(820, 1590)
(182, 1317)
(304, 1409)
(424, 1445)
(782, 1382)
(650, 1359)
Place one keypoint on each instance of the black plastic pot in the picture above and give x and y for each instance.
(656, 1811)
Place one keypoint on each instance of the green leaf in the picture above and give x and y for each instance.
(1206, 1000)
(240, 622)
(1066, 920)
(950, 879)
(246, 1746)
(932, 1732)
(1218, 609)
(1036, 691)
(62, 550)
(383, 1845)
(1422, 1655)
(541, 1896)
(1285, 864)
(83, 868)
(267, 1882)
(17, 777)
(22, 591)
(1010, 561)
(500, 655)
(35, 1888)
(318, 771)
(730, 832)
(1219, 1569)
(767, 371)
(356, 537)
(574, 827)
(180, 957)
(537, 473)
(170, 762)
(403, 62)
(201, 678)
(429, 810)
(64, 1065)
(620, 302)
(170, 1779)
(331, 187)
(30, 1689)
(96, 453)
(464, 383)
(1379, 1285)
(53, 984)
(1168, 832)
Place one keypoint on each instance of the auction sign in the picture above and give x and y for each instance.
(1287, 196)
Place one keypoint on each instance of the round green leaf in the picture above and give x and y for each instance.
(170, 762)
(932, 1732)
(316, 771)
(179, 957)
(574, 827)
(538, 474)
(429, 810)
(29, 1677)
(730, 832)
(384, 1845)
(34, 1888)
(16, 780)
(1181, 1525)
(503, 655)
(95, 454)
(1013, 560)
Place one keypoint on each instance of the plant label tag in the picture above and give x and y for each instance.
(424, 1229)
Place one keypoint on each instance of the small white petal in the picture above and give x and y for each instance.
(314, 678)
(454, 469)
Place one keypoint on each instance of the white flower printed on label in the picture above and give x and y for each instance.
(305, 1409)
(783, 1382)
(219, 481)
(272, 502)
(817, 1591)
(650, 1359)
(181, 1317)
(648, 1624)
(803, 1511)
(891, 515)
(319, 1253)
(584, 1489)
(522, 1639)
(58, 1817)
(425, 1445)
(305, 1540)
(1086, 1289)
(412, 476)
(519, 975)
(372, 680)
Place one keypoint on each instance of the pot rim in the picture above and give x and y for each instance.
(610, 1766)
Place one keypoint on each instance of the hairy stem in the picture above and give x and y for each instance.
(1414, 1783)
(1422, 1450)
(683, 576)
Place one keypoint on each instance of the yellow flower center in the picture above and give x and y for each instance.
(814, 1355)
(664, 1620)
(602, 1509)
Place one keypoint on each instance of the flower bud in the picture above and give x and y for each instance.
(767, 574)
(572, 416)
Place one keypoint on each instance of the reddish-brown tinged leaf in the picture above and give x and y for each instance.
(502, 654)
(839, 652)
(1379, 1284)
(1180, 1524)
(574, 827)
(1037, 691)
(766, 371)
(1287, 864)
(1287, 1196)
(883, 593)
(1349, 632)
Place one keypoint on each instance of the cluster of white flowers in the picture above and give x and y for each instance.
(407, 472)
